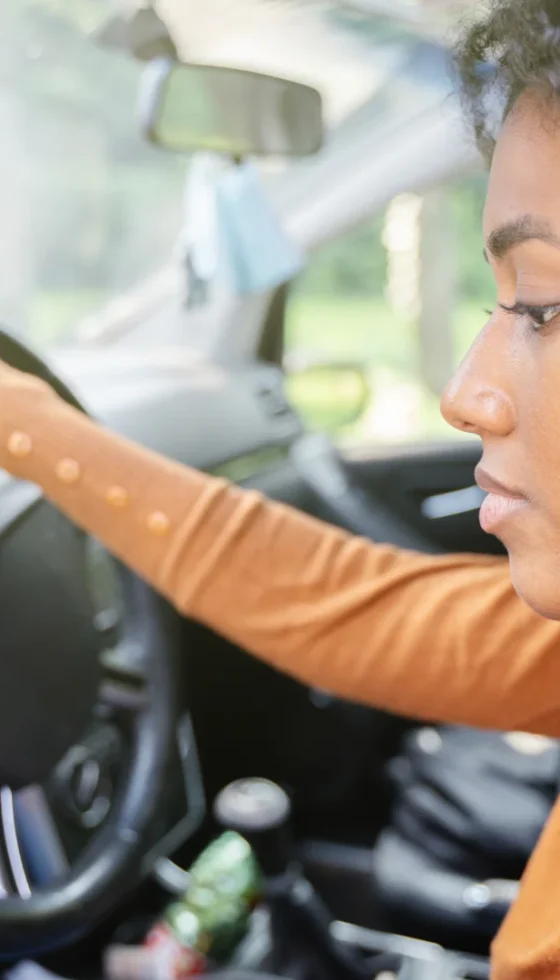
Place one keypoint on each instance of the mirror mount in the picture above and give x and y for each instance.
(141, 32)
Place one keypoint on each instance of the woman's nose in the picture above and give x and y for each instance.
(476, 399)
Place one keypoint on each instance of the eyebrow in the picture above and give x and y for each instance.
(524, 229)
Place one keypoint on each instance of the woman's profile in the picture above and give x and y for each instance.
(443, 638)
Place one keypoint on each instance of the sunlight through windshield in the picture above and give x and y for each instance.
(91, 213)
(88, 208)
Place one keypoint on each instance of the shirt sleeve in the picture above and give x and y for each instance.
(439, 638)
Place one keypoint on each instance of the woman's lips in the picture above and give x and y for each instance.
(501, 504)
(496, 509)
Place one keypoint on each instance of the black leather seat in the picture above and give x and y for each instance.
(469, 808)
(419, 896)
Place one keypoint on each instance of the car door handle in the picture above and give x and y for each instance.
(452, 504)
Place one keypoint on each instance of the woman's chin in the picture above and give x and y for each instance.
(537, 581)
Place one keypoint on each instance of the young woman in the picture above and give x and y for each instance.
(441, 638)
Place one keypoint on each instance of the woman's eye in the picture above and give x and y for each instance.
(539, 316)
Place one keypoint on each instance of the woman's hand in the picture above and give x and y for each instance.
(23, 401)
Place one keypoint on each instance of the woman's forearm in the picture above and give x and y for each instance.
(441, 638)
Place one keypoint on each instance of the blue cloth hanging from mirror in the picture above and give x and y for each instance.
(260, 254)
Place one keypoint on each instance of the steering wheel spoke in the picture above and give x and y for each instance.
(11, 844)
(9, 850)
(123, 683)
(39, 843)
(31, 851)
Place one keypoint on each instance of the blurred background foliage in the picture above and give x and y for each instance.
(340, 308)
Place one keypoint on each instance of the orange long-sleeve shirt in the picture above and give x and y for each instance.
(442, 638)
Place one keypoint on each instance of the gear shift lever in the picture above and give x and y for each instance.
(260, 811)
(299, 921)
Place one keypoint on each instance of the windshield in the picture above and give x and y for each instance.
(92, 212)
(88, 208)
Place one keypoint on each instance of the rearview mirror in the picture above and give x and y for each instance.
(225, 110)
(328, 397)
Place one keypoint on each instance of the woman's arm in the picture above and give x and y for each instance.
(440, 638)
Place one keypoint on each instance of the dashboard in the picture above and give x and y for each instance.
(210, 417)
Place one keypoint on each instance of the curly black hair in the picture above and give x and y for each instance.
(516, 44)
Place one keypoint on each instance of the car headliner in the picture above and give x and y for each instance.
(343, 47)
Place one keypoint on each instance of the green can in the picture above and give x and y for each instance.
(225, 886)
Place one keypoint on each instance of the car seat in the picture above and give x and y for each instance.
(469, 808)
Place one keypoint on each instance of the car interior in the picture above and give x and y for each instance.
(386, 845)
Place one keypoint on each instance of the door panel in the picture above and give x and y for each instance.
(431, 488)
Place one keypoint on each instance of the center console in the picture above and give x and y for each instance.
(385, 956)
(410, 959)
(296, 937)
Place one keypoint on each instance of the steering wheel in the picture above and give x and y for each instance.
(49, 689)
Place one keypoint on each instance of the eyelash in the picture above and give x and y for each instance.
(540, 316)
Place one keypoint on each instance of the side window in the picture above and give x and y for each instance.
(379, 319)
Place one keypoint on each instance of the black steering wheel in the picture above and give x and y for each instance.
(49, 689)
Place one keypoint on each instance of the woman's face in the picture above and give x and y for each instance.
(507, 389)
